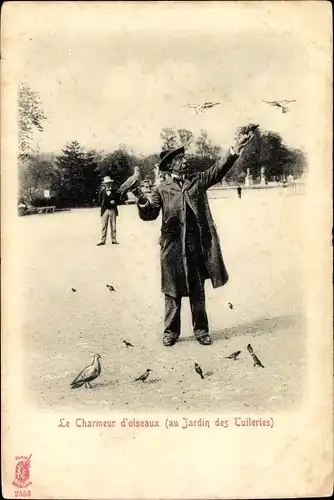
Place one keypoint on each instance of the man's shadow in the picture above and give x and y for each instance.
(260, 326)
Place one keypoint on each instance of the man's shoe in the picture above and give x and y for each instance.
(115, 243)
(168, 341)
(100, 244)
(205, 340)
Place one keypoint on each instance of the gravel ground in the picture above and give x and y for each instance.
(261, 242)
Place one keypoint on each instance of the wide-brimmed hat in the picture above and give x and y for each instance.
(167, 156)
(107, 179)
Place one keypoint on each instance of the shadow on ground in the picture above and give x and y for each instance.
(260, 326)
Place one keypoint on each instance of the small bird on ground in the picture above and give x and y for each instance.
(230, 305)
(234, 355)
(280, 104)
(73, 289)
(127, 344)
(256, 360)
(198, 370)
(130, 182)
(250, 349)
(88, 374)
(144, 376)
(111, 288)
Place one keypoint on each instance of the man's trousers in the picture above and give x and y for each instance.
(198, 312)
(109, 216)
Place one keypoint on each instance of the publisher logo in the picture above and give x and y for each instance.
(22, 472)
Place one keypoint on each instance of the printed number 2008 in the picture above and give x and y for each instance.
(22, 493)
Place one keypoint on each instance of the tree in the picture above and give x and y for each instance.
(119, 165)
(79, 177)
(205, 148)
(267, 150)
(168, 137)
(186, 137)
(147, 165)
(31, 117)
(37, 173)
(296, 165)
(206, 154)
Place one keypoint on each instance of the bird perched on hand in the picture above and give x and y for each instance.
(111, 288)
(130, 183)
(73, 289)
(127, 344)
(280, 104)
(230, 305)
(144, 376)
(199, 370)
(88, 374)
(234, 355)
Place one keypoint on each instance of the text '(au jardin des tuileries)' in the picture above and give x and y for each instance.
(168, 423)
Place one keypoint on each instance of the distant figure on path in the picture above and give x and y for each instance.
(108, 200)
(190, 248)
(239, 191)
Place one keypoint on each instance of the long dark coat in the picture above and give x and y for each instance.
(166, 196)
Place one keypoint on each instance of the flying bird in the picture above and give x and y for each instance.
(198, 370)
(230, 305)
(127, 344)
(88, 374)
(201, 107)
(144, 376)
(234, 355)
(111, 288)
(280, 104)
(130, 183)
(73, 290)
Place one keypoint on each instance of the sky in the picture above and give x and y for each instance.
(111, 74)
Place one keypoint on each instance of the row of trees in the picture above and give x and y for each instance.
(74, 176)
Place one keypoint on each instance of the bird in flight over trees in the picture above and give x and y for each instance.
(280, 104)
(201, 107)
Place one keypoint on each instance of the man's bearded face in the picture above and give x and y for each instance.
(179, 165)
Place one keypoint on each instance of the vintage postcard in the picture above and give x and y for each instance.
(166, 210)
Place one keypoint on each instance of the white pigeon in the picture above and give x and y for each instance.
(130, 182)
(280, 104)
(88, 374)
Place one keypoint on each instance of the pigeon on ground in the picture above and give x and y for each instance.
(127, 344)
(130, 183)
(111, 288)
(73, 290)
(234, 355)
(230, 305)
(201, 107)
(88, 374)
(198, 370)
(280, 104)
(144, 376)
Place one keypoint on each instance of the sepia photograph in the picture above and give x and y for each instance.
(167, 172)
